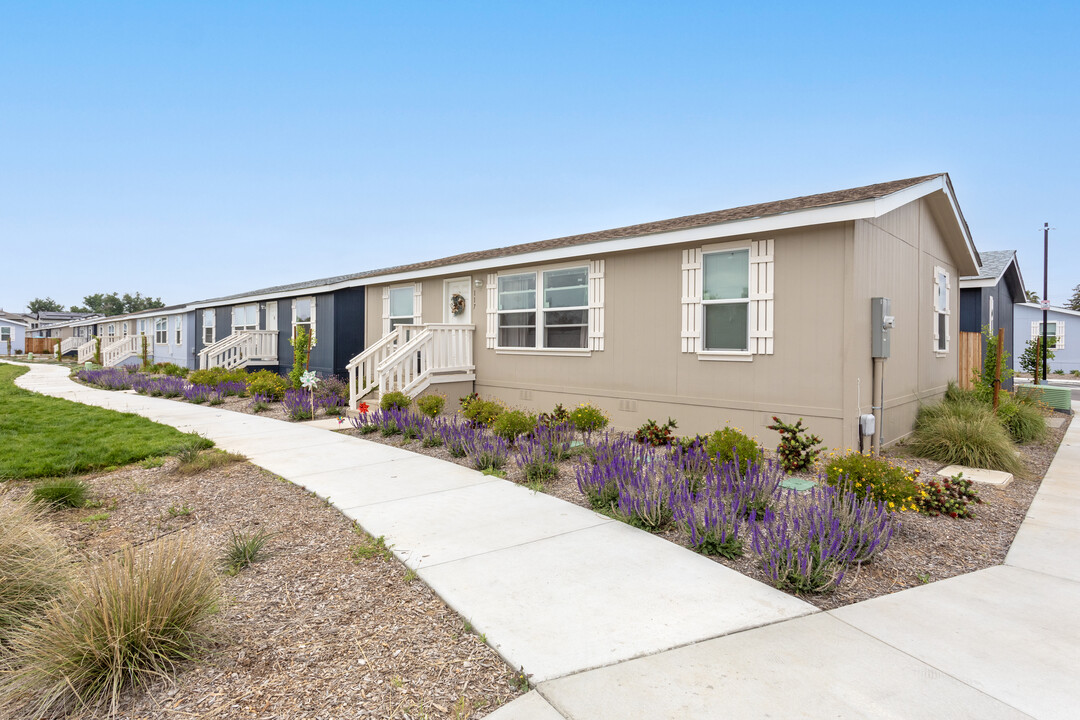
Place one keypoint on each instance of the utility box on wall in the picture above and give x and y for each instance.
(881, 325)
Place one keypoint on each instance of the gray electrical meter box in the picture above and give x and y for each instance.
(881, 325)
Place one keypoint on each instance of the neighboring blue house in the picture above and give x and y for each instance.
(1029, 326)
(12, 334)
(987, 299)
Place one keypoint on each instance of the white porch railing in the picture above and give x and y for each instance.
(69, 344)
(119, 350)
(242, 348)
(413, 357)
(86, 350)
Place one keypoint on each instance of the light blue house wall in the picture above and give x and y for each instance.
(178, 346)
(1027, 317)
(18, 336)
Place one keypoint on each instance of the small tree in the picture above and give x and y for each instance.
(97, 351)
(1032, 296)
(984, 380)
(1031, 360)
(1074, 301)
(301, 346)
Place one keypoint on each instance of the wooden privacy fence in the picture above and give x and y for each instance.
(41, 346)
(970, 355)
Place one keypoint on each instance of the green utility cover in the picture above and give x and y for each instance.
(1059, 398)
(576, 443)
(797, 484)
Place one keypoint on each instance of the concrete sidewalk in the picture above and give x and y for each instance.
(612, 622)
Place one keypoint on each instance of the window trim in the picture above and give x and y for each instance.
(716, 354)
(5, 330)
(1056, 336)
(539, 312)
(178, 328)
(212, 314)
(244, 328)
(161, 331)
(411, 288)
(942, 275)
(312, 330)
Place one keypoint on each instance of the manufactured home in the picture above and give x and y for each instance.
(987, 300)
(725, 317)
(1029, 325)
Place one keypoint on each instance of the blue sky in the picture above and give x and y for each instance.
(188, 150)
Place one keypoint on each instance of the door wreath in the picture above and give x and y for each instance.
(457, 304)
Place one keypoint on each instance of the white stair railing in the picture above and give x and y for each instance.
(438, 350)
(86, 350)
(364, 368)
(240, 349)
(120, 350)
(69, 344)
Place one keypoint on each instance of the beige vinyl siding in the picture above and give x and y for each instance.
(895, 256)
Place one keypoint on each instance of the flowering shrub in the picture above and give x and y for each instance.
(431, 405)
(489, 452)
(588, 419)
(558, 416)
(482, 412)
(267, 384)
(395, 399)
(948, 496)
(216, 375)
(727, 444)
(107, 378)
(297, 404)
(867, 476)
(537, 459)
(652, 434)
(512, 423)
(259, 402)
(797, 449)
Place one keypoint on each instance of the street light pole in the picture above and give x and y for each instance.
(1046, 298)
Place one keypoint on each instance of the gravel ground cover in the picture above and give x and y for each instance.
(312, 631)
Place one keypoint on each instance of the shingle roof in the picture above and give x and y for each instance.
(745, 212)
(994, 264)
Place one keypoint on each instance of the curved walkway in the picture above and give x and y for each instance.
(611, 622)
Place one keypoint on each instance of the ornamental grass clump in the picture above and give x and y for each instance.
(1023, 421)
(133, 618)
(243, 548)
(962, 433)
(35, 565)
(61, 492)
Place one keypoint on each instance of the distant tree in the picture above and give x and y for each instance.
(44, 305)
(1032, 296)
(114, 304)
(1074, 301)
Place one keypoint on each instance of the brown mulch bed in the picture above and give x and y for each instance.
(923, 550)
(309, 632)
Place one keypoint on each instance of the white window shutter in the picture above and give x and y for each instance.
(761, 297)
(596, 304)
(492, 309)
(1060, 342)
(1034, 330)
(418, 303)
(313, 308)
(691, 300)
(948, 311)
(385, 311)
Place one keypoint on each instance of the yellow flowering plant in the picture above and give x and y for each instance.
(865, 476)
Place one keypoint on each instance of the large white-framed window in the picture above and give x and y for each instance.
(725, 299)
(303, 315)
(942, 287)
(245, 317)
(1055, 333)
(209, 319)
(178, 327)
(5, 333)
(402, 306)
(544, 310)
(110, 330)
(161, 331)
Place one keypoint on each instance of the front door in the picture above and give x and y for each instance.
(271, 315)
(457, 301)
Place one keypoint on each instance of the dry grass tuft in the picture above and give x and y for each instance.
(201, 461)
(34, 564)
(132, 618)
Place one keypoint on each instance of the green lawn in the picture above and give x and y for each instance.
(43, 436)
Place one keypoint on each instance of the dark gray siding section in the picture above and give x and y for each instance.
(348, 327)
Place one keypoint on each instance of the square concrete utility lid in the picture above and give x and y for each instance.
(988, 477)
